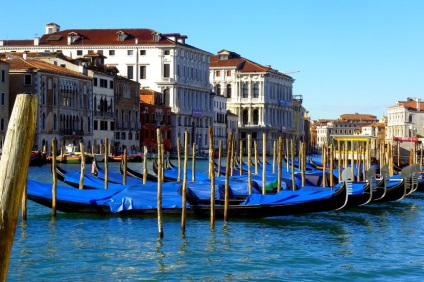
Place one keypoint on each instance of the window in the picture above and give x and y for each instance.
(111, 84)
(228, 73)
(142, 52)
(255, 117)
(2, 99)
(218, 73)
(95, 81)
(103, 83)
(166, 70)
(245, 116)
(228, 90)
(245, 90)
(166, 52)
(100, 52)
(3, 75)
(130, 72)
(111, 52)
(95, 125)
(123, 136)
(117, 136)
(27, 79)
(2, 124)
(90, 51)
(256, 90)
(79, 52)
(218, 89)
(142, 72)
(130, 52)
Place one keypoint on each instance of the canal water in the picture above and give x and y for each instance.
(377, 242)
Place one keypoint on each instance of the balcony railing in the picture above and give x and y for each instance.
(104, 114)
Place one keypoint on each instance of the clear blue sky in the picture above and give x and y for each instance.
(353, 55)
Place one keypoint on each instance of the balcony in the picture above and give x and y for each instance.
(98, 114)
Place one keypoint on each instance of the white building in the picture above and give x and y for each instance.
(405, 119)
(260, 96)
(160, 62)
(220, 133)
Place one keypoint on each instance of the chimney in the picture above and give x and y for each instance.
(418, 104)
(136, 41)
(24, 56)
(1, 43)
(69, 40)
(36, 41)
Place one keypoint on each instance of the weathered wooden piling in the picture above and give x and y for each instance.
(159, 191)
(249, 163)
(241, 159)
(227, 174)
(280, 163)
(193, 163)
(145, 153)
(212, 176)
(219, 157)
(264, 164)
(124, 174)
(106, 163)
(179, 158)
(14, 171)
(54, 185)
(184, 188)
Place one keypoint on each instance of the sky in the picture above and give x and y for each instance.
(346, 56)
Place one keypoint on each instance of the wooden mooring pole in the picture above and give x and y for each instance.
(212, 176)
(14, 171)
(159, 191)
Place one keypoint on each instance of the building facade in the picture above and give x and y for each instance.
(160, 62)
(64, 99)
(260, 96)
(405, 119)
(154, 115)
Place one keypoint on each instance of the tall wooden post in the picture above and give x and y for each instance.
(219, 157)
(264, 164)
(280, 163)
(145, 153)
(124, 175)
(159, 191)
(324, 164)
(184, 188)
(14, 171)
(241, 158)
(54, 185)
(212, 176)
(106, 163)
(227, 174)
(249, 163)
(255, 144)
(193, 163)
(81, 182)
(179, 159)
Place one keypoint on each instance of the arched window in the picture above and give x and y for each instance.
(245, 117)
(228, 90)
(245, 90)
(255, 116)
(167, 97)
(218, 89)
(256, 90)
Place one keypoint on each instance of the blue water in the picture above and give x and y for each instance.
(378, 242)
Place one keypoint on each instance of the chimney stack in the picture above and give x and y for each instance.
(36, 41)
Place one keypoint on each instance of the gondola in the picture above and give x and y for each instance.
(138, 175)
(133, 201)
